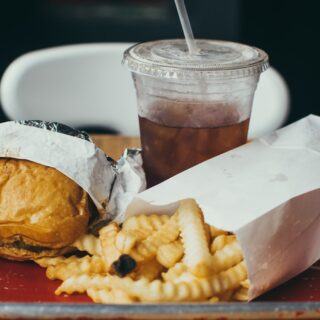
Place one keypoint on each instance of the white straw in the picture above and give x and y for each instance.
(186, 26)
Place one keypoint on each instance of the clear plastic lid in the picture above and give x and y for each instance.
(215, 59)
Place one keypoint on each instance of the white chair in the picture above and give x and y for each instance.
(86, 85)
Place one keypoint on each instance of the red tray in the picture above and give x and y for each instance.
(26, 282)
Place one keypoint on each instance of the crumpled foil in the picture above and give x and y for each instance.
(111, 184)
(56, 127)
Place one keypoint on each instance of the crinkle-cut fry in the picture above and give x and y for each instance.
(88, 243)
(214, 300)
(108, 236)
(109, 296)
(185, 277)
(241, 294)
(76, 266)
(191, 222)
(208, 233)
(49, 261)
(220, 241)
(100, 296)
(245, 284)
(175, 272)
(226, 296)
(149, 270)
(147, 249)
(216, 232)
(197, 290)
(81, 283)
(169, 254)
(228, 256)
(125, 241)
(143, 225)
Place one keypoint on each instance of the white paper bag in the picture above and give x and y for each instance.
(266, 192)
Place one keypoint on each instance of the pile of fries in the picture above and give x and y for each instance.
(155, 258)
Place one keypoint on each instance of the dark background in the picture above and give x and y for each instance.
(286, 29)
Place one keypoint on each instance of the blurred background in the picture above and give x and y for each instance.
(286, 29)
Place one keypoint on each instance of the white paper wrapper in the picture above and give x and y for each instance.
(105, 180)
(266, 191)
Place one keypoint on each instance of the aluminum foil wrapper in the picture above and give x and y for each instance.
(56, 127)
(111, 184)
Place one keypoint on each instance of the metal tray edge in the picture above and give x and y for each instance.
(253, 310)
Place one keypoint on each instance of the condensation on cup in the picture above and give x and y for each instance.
(192, 107)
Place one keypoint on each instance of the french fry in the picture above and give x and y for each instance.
(88, 243)
(100, 296)
(109, 296)
(46, 262)
(125, 241)
(197, 255)
(76, 266)
(147, 249)
(197, 290)
(228, 256)
(208, 233)
(169, 254)
(143, 226)
(81, 283)
(231, 278)
(175, 272)
(220, 241)
(149, 270)
(241, 294)
(185, 277)
(226, 296)
(245, 284)
(216, 232)
(214, 300)
(127, 265)
(108, 236)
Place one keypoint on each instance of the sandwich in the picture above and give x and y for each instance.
(42, 211)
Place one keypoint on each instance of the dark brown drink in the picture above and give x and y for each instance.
(167, 151)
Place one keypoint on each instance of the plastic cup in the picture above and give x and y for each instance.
(192, 108)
